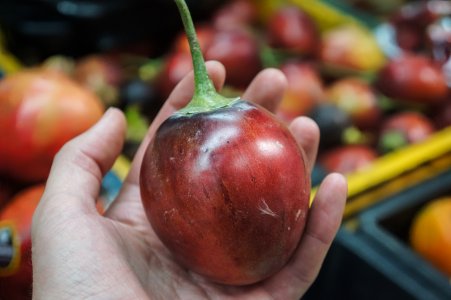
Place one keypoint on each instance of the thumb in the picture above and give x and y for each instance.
(80, 165)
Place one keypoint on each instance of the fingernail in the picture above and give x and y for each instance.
(108, 112)
(105, 117)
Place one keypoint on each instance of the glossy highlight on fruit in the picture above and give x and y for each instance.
(224, 184)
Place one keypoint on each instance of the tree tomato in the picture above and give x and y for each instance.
(40, 110)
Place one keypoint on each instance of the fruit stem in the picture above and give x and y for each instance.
(205, 97)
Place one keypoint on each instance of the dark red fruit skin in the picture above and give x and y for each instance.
(291, 29)
(227, 192)
(347, 159)
(238, 51)
(413, 78)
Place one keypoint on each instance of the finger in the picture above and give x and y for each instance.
(323, 223)
(306, 133)
(79, 166)
(179, 97)
(267, 88)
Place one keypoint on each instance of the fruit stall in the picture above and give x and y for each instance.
(374, 75)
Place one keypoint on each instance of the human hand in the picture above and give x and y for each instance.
(78, 253)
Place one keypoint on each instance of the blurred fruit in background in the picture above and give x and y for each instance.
(204, 32)
(332, 122)
(413, 78)
(347, 159)
(15, 243)
(235, 14)
(348, 49)
(304, 91)
(291, 29)
(239, 52)
(357, 98)
(430, 233)
(40, 110)
(141, 94)
(402, 129)
(176, 66)
(102, 75)
(411, 19)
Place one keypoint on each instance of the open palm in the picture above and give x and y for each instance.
(80, 254)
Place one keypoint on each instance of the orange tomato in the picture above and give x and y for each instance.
(304, 91)
(430, 234)
(15, 229)
(40, 110)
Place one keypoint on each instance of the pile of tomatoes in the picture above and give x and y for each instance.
(370, 91)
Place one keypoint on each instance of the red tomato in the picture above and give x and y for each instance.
(305, 90)
(291, 29)
(357, 98)
(177, 65)
(204, 34)
(404, 128)
(40, 110)
(413, 78)
(15, 231)
(348, 159)
(238, 51)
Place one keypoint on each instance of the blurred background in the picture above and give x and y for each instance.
(374, 75)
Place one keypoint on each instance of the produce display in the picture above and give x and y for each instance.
(374, 75)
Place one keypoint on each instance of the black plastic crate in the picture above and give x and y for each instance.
(386, 228)
(356, 269)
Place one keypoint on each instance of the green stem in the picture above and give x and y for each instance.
(205, 96)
